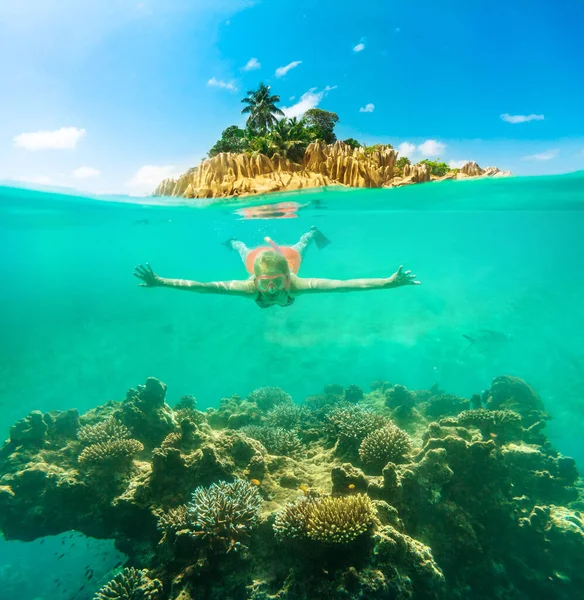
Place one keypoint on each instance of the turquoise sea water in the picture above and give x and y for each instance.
(76, 330)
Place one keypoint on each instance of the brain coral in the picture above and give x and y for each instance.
(388, 444)
(130, 584)
(225, 512)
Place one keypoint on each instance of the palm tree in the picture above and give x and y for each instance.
(262, 109)
(290, 137)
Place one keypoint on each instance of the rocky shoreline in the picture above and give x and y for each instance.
(229, 175)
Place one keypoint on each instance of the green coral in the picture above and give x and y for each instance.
(112, 453)
(268, 397)
(329, 520)
(130, 584)
(353, 422)
(104, 431)
(276, 440)
(388, 444)
(225, 513)
(286, 415)
(175, 519)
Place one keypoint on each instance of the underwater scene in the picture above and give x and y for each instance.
(411, 442)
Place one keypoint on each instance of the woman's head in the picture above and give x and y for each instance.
(272, 271)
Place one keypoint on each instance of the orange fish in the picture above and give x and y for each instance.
(255, 481)
(351, 486)
(303, 487)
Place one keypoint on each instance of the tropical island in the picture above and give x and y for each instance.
(275, 153)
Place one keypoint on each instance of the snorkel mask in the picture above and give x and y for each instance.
(272, 283)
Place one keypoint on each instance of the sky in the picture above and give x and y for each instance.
(112, 96)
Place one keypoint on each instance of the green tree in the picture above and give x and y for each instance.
(290, 137)
(233, 139)
(322, 124)
(352, 142)
(262, 110)
(402, 161)
(437, 167)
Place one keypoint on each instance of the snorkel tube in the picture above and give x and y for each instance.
(274, 246)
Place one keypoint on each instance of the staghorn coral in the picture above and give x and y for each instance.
(340, 520)
(275, 440)
(130, 584)
(388, 444)
(111, 429)
(174, 520)
(225, 512)
(268, 397)
(112, 453)
(285, 415)
(354, 422)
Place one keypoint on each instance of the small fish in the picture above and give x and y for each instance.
(487, 336)
(303, 488)
(493, 435)
(117, 565)
(351, 486)
(60, 557)
(255, 481)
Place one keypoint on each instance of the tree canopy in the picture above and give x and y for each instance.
(437, 167)
(322, 124)
(233, 139)
(261, 108)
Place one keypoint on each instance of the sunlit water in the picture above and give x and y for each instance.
(76, 330)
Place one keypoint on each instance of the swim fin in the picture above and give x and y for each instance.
(320, 239)
(228, 243)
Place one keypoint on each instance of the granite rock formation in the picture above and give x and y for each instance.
(229, 175)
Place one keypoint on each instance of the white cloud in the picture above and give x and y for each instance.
(521, 118)
(147, 178)
(65, 138)
(457, 164)
(252, 64)
(85, 172)
(548, 155)
(406, 149)
(359, 48)
(281, 71)
(227, 85)
(308, 100)
(431, 148)
(367, 108)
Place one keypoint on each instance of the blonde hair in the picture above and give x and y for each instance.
(271, 260)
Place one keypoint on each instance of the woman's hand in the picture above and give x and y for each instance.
(400, 278)
(147, 275)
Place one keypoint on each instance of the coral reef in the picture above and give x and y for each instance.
(225, 512)
(130, 584)
(276, 440)
(464, 499)
(388, 444)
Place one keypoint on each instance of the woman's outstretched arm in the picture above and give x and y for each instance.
(312, 285)
(235, 288)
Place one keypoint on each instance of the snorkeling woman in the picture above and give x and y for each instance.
(274, 277)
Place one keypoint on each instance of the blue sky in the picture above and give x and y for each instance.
(110, 96)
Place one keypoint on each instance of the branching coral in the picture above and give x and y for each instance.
(130, 584)
(388, 444)
(329, 520)
(268, 397)
(496, 422)
(292, 521)
(354, 422)
(285, 415)
(112, 453)
(176, 519)
(275, 440)
(111, 429)
(225, 512)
